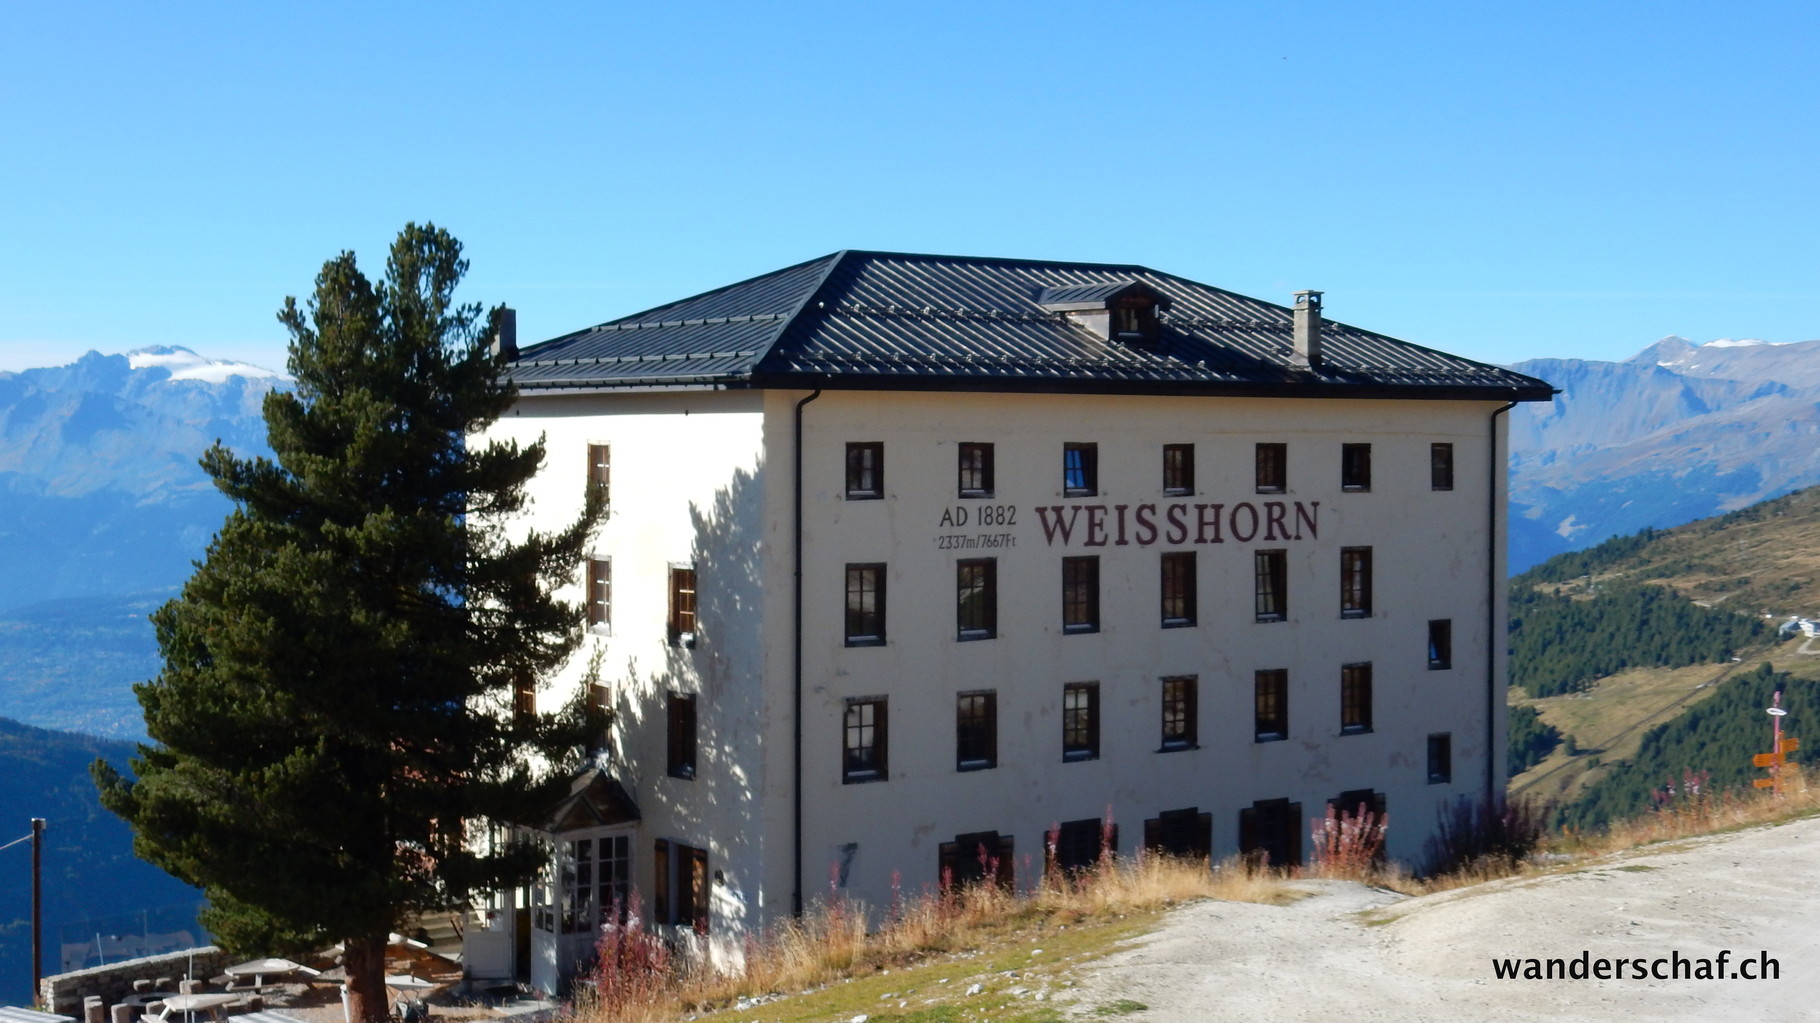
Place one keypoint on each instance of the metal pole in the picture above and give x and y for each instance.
(37, 905)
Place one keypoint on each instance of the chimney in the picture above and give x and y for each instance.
(1307, 329)
(505, 340)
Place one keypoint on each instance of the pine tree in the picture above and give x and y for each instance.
(336, 696)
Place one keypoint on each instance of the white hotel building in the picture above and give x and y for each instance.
(911, 558)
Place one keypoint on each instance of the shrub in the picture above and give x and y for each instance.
(1470, 832)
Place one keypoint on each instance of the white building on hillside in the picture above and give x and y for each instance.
(911, 559)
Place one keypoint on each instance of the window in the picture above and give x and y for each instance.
(976, 731)
(1272, 584)
(1273, 468)
(974, 858)
(1080, 470)
(1440, 466)
(1178, 469)
(863, 741)
(1270, 830)
(1181, 717)
(1440, 644)
(600, 591)
(681, 714)
(1081, 721)
(1178, 589)
(1081, 594)
(1186, 833)
(1075, 846)
(1355, 467)
(1354, 801)
(682, 604)
(865, 605)
(599, 469)
(1271, 686)
(975, 469)
(865, 471)
(1355, 582)
(601, 706)
(594, 879)
(682, 885)
(1440, 758)
(524, 699)
(976, 603)
(1355, 698)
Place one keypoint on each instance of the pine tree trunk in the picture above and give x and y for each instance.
(364, 961)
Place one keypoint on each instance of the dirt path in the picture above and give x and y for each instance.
(1320, 958)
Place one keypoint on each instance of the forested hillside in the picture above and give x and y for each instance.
(90, 872)
(1597, 637)
(1563, 639)
(1710, 746)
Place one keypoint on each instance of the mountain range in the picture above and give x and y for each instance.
(1676, 433)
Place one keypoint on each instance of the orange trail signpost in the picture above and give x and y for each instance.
(1780, 748)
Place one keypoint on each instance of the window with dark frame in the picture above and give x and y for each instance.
(680, 712)
(1080, 470)
(1081, 721)
(1354, 801)
(600, 591)
(1440, 466)
(681, 895)
(975, 469)
(977, 858)
(976, 598)
(682, 604)
(1273, 468)
(1440, 644)
(1271, 830)
(1179, 589)
(863, 733)
(976, 730)
(1078, 845)
(1440, 758)
(1178, 469)
(865, 470)
(1355, 467)
(1271, 699)
(524, 699)
(866, 605)
(1187, 833)
(600, 704)
(1181, 712)
(1081, 594)
(600, 469)
(1271, 576)
(1355, 698)
(1355, 582)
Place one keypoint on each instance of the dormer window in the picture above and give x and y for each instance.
(1123, 312)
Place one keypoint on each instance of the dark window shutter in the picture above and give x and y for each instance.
(1203, 835)
(1007, 864)
(1248, 829)
(1295, 826)
(660, 891)
(698, 885)
(1153, 834)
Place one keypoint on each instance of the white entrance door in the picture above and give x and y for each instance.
(593, 880)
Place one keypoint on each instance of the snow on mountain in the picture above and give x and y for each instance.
(184, 364)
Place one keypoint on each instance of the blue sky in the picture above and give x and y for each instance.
(1503, 181)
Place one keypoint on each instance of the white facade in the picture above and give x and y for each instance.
(706, 479)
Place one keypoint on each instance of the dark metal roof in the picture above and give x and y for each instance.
(894, 321)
